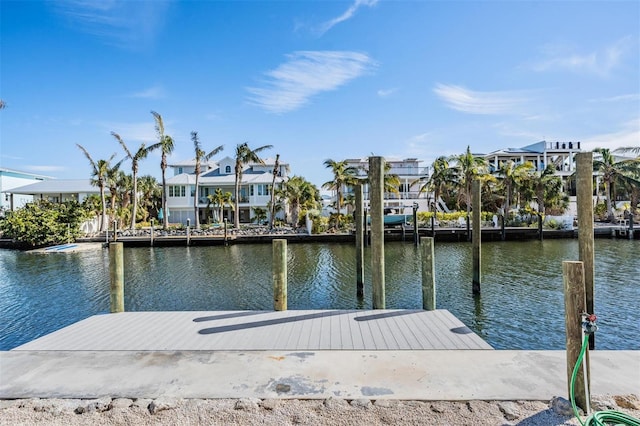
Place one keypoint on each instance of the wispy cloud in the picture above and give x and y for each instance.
(384, 93)
(619, 98)
(155, 92)
(45, 169)
(348, 14)
(475, 102)
(305, 74)
(139, 132)
(599, 62)
(627, 135)
(127, 24)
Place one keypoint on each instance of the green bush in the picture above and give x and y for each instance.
(43, 223)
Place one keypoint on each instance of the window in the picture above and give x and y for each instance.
(177, 191)
(260, 189)
(179, 170)
(227, 169)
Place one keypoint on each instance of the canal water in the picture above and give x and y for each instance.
(521, 305)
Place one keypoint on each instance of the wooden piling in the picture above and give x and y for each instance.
(359, 242)
(503, 233)
(376, 182)
(151, 239)
(540, 234)
(584, 201)
(115, 230)
(116, 275)
(477, 232)
(188, 232)
(416, 232)
(280, 274)
(428, 274)
(225, 232)
(573, 275)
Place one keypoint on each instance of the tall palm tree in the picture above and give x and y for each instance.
(99, 171)
(545, 187)
(300, 193)
(165, 143)
(151, 193)
(468, 167)
(272, 204)
(343, 175)
(511, 176)
(140, 154)
(200, 156)
(440, 180)
(112, 183)
(244, 155)
(612, 172)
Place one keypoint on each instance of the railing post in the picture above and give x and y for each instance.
(428, 274)
(279, 274)
(574, 306)
(116, 275)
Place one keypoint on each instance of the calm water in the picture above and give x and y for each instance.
(521, 306)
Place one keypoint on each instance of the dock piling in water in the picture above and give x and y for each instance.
(280, 274)
(428, 274)
(359, 242)
(584, 200)
(376, 181)
(116, 275)
(477, 232)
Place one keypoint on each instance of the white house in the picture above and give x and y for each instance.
(58, 190)
(255, 188)
(10, 179)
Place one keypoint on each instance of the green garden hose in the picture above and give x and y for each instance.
(598, 418)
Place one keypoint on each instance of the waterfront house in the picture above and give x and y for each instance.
(255, 189)
(12, 179)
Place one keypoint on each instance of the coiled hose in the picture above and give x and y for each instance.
(598, 418)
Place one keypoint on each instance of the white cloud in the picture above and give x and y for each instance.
(474, 102)
(306, 74)
(46, 169)
(599, 62)
(348, 14)
(155, 92)
(619, 98)
(383, 93)
(139, 132)
(128, 24)
(627, 135)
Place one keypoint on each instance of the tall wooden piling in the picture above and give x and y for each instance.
(376, 182)
(188, 231)
(151, 239)
(584, 200)
(477, 232)
(116, 276)
(280, 274)
(359, 242)
(225, 232)
(573, 274)
(428, 274)
(416, 232)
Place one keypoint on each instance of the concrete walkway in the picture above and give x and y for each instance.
(350, 374)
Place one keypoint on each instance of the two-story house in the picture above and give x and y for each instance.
(255, 189)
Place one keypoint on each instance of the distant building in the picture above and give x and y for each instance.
(58, 190)
(255, 188)
(10, 179)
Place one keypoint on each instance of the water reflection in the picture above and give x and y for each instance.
(521, 305)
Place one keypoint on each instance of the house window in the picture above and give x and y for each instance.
(179, 170)
(227, 169)
(260, 189)
(177, 191)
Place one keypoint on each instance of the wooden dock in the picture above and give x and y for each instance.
(304, 330)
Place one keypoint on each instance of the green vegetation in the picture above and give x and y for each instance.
(44, 223)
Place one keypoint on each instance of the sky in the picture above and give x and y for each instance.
(316, 79)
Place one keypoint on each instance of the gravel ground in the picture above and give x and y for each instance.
(332, 411)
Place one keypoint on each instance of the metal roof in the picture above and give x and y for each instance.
(57, 186)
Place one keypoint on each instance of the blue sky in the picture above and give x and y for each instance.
(315, 79)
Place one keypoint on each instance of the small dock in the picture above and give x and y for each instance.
(263, 330)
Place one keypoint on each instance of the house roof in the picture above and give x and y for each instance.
(24, 175)
(57, 186)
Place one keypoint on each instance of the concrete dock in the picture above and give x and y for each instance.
(382, 354)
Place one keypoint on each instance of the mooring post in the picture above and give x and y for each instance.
(280, 274)
(188, 230)
(584, 201)
(359, 242)
(115, 230)
(151, 233)
(416, 232)
(574, 306)
(225, 232)
(503, 233)
(116, 275)
(428, 274)
(540, 236)
(376, 182)
(630, 233)
(477, 233)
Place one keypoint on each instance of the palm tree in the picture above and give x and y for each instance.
(468, 167)
(259, 215)
(200, 156)
(300, 194)
(442, 176)
(612, 172)
(244, 155)
(220, 199)
(150, 193)
(343, 175)
(165, 143)
(112, 183)
(99, 173)
(511, 176)
(140, 154)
